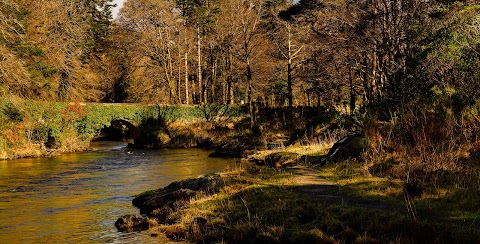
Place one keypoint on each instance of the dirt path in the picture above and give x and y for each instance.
(308, 181)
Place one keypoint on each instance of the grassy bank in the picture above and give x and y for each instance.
(264, 205)
(34, 129)
(291, 196)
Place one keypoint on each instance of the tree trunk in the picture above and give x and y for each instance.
(289, 70)
(373, 83)
(187, 99)
(366, 86)
(224, 82)
(231, 93)
(214, 80)
(249, 93)
(170, 79)
(352, 90)
(199, 72)
(178, 79)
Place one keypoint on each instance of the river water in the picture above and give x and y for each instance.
(77, 198)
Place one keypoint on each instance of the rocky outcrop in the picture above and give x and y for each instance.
(278, 159)
(349, 147)
(160, 203)
(131, 223)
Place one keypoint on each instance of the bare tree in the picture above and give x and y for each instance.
(247, 39)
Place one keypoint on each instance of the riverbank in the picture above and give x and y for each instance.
(44, 129)
(301, 202)
(76, 198)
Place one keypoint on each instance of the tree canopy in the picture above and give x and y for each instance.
(335, 52)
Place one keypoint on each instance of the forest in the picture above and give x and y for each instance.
(405, 73)
(347, 53)
(350, 53)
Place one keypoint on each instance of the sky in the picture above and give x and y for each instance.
(119, 4)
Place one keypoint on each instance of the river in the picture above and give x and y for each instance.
(77, 198)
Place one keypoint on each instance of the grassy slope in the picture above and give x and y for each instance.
(26, 126)
(265, 205)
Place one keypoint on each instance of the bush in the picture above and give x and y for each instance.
(68, 127)
(13, 112)
(154, 126)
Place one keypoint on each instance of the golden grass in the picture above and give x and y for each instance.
(25, 150)
(259, 206)
(311, 149)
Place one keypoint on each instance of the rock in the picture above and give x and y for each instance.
(160, 204)
(166, 197)
(349, 147)
(227, 153)
(131, 222)
(204, 183)
(278, 159)
(155, 201)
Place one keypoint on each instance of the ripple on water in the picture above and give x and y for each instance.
(77, 198)
(23, 189)
(111, 199)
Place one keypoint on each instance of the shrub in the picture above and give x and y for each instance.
(13, 112)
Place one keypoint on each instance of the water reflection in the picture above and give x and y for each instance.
(77, 197)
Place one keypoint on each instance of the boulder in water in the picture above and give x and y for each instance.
(132, 222)
(165, 198)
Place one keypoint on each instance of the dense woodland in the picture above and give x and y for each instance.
(409, 62)
(337, 52)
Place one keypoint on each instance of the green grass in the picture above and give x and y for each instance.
(260, 206)
(447, 206)
(26, 125)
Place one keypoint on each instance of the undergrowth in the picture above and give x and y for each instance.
(33, 128)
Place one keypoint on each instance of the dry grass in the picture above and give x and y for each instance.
(260, 206)
(310, 146)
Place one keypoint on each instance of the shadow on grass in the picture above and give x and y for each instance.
(278, 214)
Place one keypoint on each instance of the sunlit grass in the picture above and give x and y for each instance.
(310, 149)
(259, 205)
(444, 203)
(353, 178)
